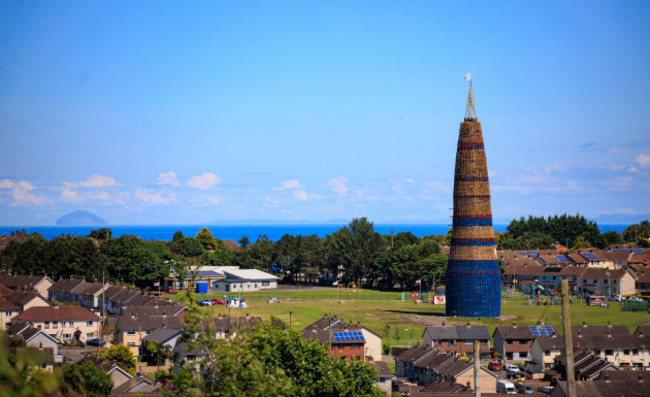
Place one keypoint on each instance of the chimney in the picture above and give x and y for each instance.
(469, 385)
(609, 333)
(609, 323)
(584, 322)
(578, 344)
(444, 323)
(639, 378)
(640, 332)
(133, 316)
(468, 324)
(514, 324)
(164, 323)
(607, 378)
(579, 333)
(247, 316)
(358, 323)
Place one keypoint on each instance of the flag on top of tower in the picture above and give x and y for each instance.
(468, 76)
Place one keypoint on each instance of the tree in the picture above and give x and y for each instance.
(244, 242)
(612, 237)
(205, 237)
(86, 380)
(580, 243)
(634, 232)
(104, 233)
(178, 235)
(122, 356)
(356, 248)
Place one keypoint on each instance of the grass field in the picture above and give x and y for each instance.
(407, 320)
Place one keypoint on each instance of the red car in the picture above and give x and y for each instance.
(494, 366)
(218, 301)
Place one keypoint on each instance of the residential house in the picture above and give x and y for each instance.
(599, 281)
(514, 343)
(427, 368)
(27, 299)
(139, 386)
(130, 330)
(458, 340)
(586, 365)
(63, 289)
(118, 375)
(227, 327)
(346, 343)
(405, 362)
(373, 344)
(462, 372)
(605, 388)
(643, 283)
(33, 337)
(87, 295)
(544, 350)
(191, 354)
(384, 376)
(40, 284)
(68, 323)
(8, 310)
(5, 240)
(166, 338)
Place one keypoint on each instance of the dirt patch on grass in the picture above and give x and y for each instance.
(437, 320)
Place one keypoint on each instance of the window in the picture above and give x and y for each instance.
(67, 336)
(635, 352)
(354, 346)
(47, 325)
(266, 283)
(89, 323)
(147, 331)
(89, 335)
(130, 332)
(469, 342)
(606, 281)
(437, 342)
(547, 353)
(626, 351)
(8, 314)
(55, 324)
(509, 342)
(451, 342)
(130, 344)
(71, 323)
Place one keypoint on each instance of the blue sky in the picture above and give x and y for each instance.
(190, 113)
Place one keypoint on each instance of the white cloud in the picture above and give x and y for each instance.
(632, 169)
(642, 160)
(149, 196)
(290, 184)
(6, 184)
(409, 180)
(98, 196)
(338, 185)
(204, 181)
(615, 150)
(95, 180)
(20, 193)
(167, 178)
(70, 196)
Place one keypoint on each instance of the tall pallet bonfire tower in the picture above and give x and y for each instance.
(473, 276)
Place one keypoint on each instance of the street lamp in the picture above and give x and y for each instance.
(290, 313)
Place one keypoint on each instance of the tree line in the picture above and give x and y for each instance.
(571, 231)
(356, 253)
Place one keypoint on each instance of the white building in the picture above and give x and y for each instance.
(244, 280)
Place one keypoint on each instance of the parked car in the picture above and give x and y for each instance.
(506, 387)
(525, 389)
(634, 299)
(616, 298)
(513, 373)
(96, 342)
(218, 301)
(494, 366)
(205, 302)
(547, 389)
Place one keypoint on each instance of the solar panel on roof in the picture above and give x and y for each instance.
(533, 253)
(621, 250)
(562, 259)
(522, 253)
(638, 251)
(541, 331)
(348, 336)
(590, 256)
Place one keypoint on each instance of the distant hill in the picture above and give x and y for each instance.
(80, 218)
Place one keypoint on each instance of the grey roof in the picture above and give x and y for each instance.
(444, 332)
(89, 289)
(66, 285)
(550, 342)
(602, 330)
(125, 323)
(414, 354)
(384, 369)
(473, 332)
(457, 333)
(162, 335)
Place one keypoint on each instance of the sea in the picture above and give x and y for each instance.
(235, 232)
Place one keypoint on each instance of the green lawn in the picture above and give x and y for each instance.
(406, 318)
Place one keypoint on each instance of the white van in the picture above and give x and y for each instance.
(506, 387)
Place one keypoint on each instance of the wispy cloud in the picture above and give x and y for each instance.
(204, 181)
(95, 180)
(338, 185)
(20, 192)
(151, 197)
(288, 185)
(643, 160)
(167, 178)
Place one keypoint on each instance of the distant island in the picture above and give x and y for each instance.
(80, 218)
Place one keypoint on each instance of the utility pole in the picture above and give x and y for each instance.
(568, 340)
(477, 368)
